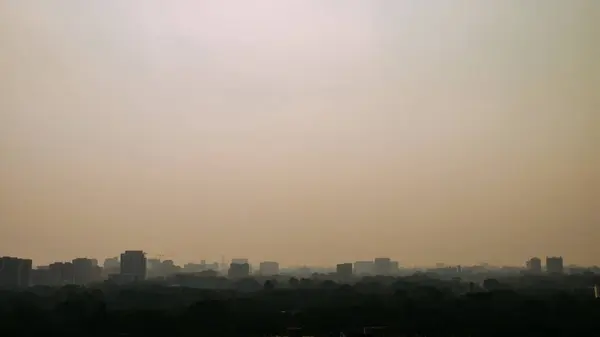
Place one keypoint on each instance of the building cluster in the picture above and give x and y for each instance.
(378, 266)
(15, 272)
(134, 266)
(554, 265)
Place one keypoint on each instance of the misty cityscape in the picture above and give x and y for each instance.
(137, 295)
(134, 266)
(300, 168)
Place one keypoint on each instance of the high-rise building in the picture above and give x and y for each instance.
(83, 271)
(344, 270)
(61, 273)
(554, 264)
(534, 265)
(238, 270)
(242, 261)
(383, 266)
(41, 277)
(133, 265)
(25, 273)
(112, 263)
(364, 267)
(15, 272)
(268, 268)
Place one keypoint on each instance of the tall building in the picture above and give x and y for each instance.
(15, 272)
(268, 268)
(242, 261)
(25, 272)
(83, 271)
(554, 264)
(383, 266)
(344, 270)
(41, 276)
(133, 265)
(534, 265)
(61, 273)
(364, 267)
(112, 263)
(238, 270)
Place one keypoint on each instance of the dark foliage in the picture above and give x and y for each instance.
(408, 306)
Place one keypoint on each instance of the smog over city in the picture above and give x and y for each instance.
(324, 140)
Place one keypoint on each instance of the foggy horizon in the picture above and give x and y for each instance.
(304, 132)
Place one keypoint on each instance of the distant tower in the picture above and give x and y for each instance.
(534, 265)
(238, 270)
(554, 265)
(133, 265)
(83, 271)
(383, 266)
(344, 270)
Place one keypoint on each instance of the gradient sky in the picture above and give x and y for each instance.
(308, 131)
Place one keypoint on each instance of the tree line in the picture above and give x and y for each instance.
(409, 306)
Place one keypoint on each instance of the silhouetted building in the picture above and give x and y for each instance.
(15, 272)
(268, 268)
(364, 267)
(112, 263)
(133, 265)
(41, 277)
(534, 265)
(344, 270)
(383, 266)
(554, 265)
(25, 273)
(242, 261)
(83, 271)
(61, 273)
(238, 270)
(394, 267)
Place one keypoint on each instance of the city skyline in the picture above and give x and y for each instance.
(303, 131)
(223, 261)
(134, 266)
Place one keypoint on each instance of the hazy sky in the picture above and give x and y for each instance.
(308, 131)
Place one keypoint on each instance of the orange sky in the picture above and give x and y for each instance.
(309, 131)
